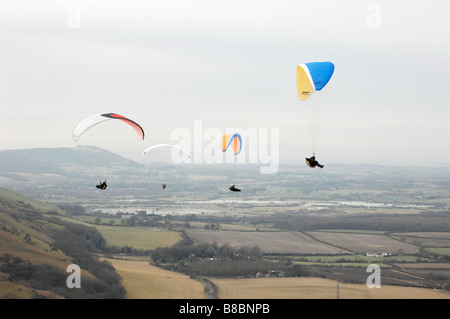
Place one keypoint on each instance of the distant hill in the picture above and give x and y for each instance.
(62, 161)
(37, 246)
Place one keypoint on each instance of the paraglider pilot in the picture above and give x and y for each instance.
(312, 162)
(102, 185)
(234, 189)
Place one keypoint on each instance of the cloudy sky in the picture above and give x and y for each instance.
(229, 64)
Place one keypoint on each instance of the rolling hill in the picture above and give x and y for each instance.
(48, 172)
(36, 247)
(64, 161)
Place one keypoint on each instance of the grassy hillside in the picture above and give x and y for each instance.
(15, 201)
(36, 247)
(19, 216)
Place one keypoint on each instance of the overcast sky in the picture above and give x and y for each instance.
(230, 64)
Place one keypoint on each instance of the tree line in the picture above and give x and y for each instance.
(77, 241)
(81, 243)
(224, 261)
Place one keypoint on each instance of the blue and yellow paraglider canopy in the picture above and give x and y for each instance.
(313, 77)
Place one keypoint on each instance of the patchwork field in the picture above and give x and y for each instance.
(364, 242)
(315, 288)
(144, 281)
(268, 242)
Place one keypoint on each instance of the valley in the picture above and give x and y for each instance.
(297, 226)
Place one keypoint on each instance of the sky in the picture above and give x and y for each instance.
(228, 65)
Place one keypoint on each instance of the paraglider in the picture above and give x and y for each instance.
(96, 119)
(312, 162)
(102, 185)
(233, 188)
(234, 140)
(167, 145)
(312, 77)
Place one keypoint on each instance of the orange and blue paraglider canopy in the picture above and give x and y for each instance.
(233, 140)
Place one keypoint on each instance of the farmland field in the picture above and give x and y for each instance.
(364, 242)
(436, 235)
(138, 237)
(426, 239)
(144, 281)
(268, 242)
(314, 288)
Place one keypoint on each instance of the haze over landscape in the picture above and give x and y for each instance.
(231, 65)
(187, 73)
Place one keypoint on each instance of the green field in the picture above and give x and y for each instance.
(138, 237)
(440, 250)
(146, 238)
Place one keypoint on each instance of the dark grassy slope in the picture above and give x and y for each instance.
(36, 247)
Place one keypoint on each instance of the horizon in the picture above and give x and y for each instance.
(167, 65)
(165, 162)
